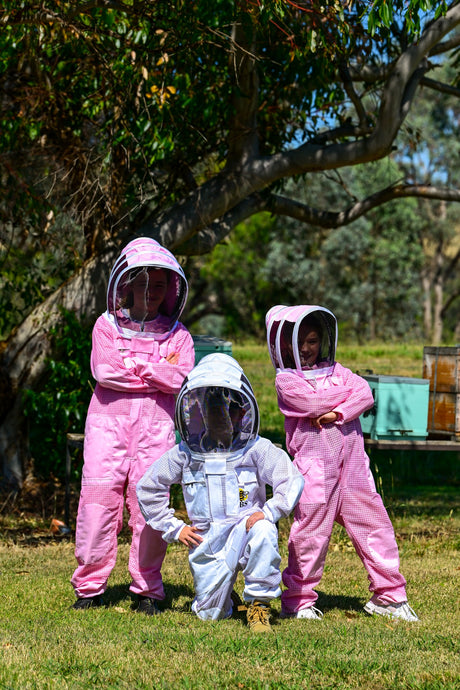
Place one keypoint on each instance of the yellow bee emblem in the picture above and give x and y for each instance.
(243, 497)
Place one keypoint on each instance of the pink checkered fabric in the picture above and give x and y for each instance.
(128, 427)
(338, 486)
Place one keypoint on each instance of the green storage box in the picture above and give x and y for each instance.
(207, 344)
(400, 409)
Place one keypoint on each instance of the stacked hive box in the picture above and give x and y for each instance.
(441, 365)
(400, 409)
(207, 345)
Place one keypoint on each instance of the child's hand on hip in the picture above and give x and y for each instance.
(189, 536)
(252, 519)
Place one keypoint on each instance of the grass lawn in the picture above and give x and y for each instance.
(45, 644)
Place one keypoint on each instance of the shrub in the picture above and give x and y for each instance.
(58, 406)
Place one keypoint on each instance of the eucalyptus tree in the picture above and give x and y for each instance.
(434, 124)
(367, 272)
(180, 120)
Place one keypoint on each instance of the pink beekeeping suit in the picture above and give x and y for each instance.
(338, 482)
(130, 418)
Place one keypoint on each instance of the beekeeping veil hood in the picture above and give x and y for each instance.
(140, 260)
(216, 410)
(286, 330)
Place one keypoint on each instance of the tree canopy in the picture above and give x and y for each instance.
(181, 119)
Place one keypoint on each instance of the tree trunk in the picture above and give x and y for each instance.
(438, 287)
(427, 315)
(24, 355)
(437, 317)
(457, 332)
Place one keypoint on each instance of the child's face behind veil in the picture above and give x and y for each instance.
(309, 345)
(148, 290)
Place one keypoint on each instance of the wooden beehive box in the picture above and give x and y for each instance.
(441, 366)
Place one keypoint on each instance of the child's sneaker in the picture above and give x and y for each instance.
(87, 603)
(308, 612)
(402, 611)
(258, 617)
(148, 606)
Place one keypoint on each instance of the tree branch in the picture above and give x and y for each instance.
(372, 74)
(439, 86)
(207, 238)
(242, 137)
(445, 46)
(397, 96)
(327, 219)
(215, 199)
(354, 98)
(452, 298)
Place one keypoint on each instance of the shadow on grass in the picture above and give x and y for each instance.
(422, 501)
(352, 606)
(29, 535)
(173, 593)
(329, 602)
(115, 594)
(424, 469)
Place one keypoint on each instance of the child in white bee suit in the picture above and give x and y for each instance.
(322, 401)
(140, 356)
(223, 466)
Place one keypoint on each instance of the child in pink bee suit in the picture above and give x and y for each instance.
(140, 356)
(322, 401)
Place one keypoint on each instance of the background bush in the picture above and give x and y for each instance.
(59, 405)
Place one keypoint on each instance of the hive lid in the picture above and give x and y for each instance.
(384, 378)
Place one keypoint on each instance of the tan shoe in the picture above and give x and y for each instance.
(258, 616)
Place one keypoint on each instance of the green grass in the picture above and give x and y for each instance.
(46, 645)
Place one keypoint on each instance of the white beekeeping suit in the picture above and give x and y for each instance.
(223, 467)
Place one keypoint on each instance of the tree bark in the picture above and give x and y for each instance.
(438, 293)
(427, 308)
(25, 353)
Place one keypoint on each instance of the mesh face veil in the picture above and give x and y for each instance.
(301, 337)
(147, 290)
(216, 411)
